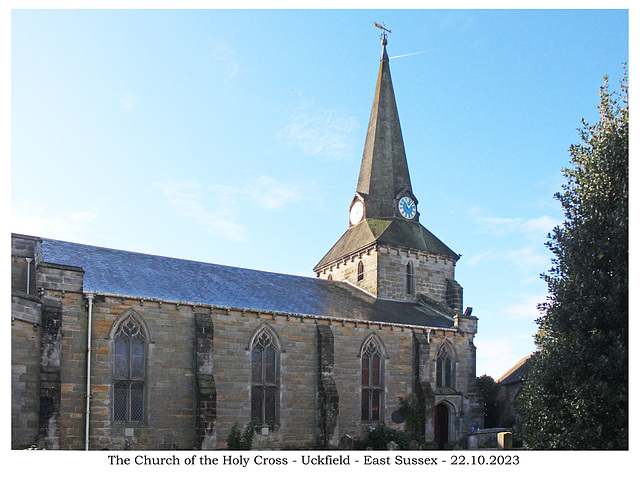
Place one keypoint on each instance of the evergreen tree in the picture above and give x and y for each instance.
(576, 396)
(489, 390)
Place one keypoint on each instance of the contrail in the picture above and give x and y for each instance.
(409, 54)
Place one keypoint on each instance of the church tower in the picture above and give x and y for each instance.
(386, 251)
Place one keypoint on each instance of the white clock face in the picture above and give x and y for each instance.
(407, 208)
(356, 213)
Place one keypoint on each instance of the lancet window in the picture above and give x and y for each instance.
(445, 367)
(129, 345)
(410, 281)
(372, 367)
(265, 376)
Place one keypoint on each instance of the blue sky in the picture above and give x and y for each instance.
(235, 136)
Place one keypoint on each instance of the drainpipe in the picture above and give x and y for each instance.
(89, 296)
(29, 260)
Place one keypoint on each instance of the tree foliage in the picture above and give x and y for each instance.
(489, 390)
(380, 437)
(237, 440)
(414, 420)
(576, 396)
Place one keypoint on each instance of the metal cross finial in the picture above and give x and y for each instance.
(384, 30)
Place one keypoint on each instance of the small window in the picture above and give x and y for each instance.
(129, 371)
(360, 271)
(445, 368)
(410, 279)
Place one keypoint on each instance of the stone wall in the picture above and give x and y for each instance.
(385, 275)
(430, 274)
(347, 271)
(171, 419)
(24, 247)
(198, 369)
(73, 364)
(25, 370)
(463, 401)
(506, 396)
(170, 384)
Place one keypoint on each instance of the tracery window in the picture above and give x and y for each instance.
(360, 271)
(265, 376)
(129, 371)
(445, 367)
(372, 367)
(410, 282)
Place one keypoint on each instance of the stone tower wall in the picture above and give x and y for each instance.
(430, 274)
(385, 273)
(347, 271)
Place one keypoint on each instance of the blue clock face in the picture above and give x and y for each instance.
(407, 208)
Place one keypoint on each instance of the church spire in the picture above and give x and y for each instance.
(386, 251)
(384, 175)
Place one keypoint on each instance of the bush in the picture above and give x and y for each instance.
(237, 440)
(414, 423)
(381, 435)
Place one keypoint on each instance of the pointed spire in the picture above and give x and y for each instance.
(384, 179)
(384, 173)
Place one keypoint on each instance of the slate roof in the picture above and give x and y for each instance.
(149, 276)
(518, 372)
(399, 233)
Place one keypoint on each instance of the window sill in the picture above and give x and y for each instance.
(136, 424)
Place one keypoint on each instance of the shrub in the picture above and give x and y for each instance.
(237, 440)
(414, 421)
(381, 435)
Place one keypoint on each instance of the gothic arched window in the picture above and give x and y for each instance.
(445, 367)
(360, 271)
(410, 279)
(265, 376)
(129, 354)
(372, 366)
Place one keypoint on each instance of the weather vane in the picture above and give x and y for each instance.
(383, 36)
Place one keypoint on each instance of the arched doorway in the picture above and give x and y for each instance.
(442, 425)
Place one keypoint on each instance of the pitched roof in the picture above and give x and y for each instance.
(150, 276)
(399, 233)
(518, 371)
(384, 172)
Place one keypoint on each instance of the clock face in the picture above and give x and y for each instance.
(407, 208)
(356, 213)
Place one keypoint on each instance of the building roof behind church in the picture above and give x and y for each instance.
(398, 233)
(518, 371)
(121, 272)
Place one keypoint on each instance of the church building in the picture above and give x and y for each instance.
(120, 350)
